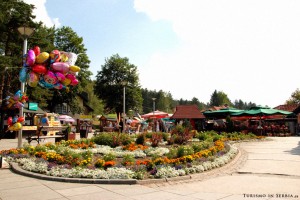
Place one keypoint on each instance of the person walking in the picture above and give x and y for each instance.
(44, 122)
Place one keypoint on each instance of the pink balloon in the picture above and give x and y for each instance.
(50, 77)
(74, 82)
(60, 76)
(19, 105)
(70, 76)
(60, 67)
(30, 60)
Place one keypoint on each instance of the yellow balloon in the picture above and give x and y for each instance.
(42, 57)
(63, 58)
(16, 127)
(74, 68)
(66, 82)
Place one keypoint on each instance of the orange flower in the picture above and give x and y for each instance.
(109, 163)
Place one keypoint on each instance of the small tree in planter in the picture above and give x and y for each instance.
(180, 135)
(156, 139)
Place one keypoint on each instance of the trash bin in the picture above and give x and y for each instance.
(71, 136)
(84, 130)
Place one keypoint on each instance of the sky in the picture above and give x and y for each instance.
(248, 49)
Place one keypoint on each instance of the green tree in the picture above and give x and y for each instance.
(147, 96)
(219, 98)
(94, 101)
(163, 101)
(108, 87)
(195, 101)
(243, 105)
(13, 14)
(295, 97)
(67, 40)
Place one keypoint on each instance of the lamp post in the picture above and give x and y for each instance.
(153, 105)
(123, 83)
(25, 32)
(153, 113)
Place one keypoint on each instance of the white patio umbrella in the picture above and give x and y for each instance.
(66, 118)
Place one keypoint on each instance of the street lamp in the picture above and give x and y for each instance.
(25, 33)
(153, 105)
(123, 83)
(153, 113)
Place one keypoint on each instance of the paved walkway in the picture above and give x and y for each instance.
(270, 169)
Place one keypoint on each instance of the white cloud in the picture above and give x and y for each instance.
(41, 13)
(248, 49)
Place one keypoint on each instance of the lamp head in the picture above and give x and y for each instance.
(25, 31)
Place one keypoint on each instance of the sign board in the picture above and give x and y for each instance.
(32, 106)
(85, 117)
(53, 128)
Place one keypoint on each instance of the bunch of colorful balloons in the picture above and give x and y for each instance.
(15, 124)
(16, 101)
(50, 70)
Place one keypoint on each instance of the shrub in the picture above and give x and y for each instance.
(202, 136)
(148, 135)
(171, 140)
(216, 137)
(109, 157)
(156, 139)
(184, 151)
(100, 163)
(128, 159)
(103, 139)
(201, 146)
(165, 136)
(182, 135)
(172, 153)
(112, 139)
(141, 139)
(125, 139)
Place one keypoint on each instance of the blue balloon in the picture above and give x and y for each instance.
(15, 119)
(44, 84)
(18, 94)
(23, 74)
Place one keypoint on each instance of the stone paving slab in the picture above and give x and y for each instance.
(229, 184)
(289, 168)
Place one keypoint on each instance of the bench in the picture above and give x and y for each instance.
(61, 134)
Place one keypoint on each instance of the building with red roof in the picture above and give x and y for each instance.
(191, 113)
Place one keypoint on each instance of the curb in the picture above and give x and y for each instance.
(228, 168)
(17, 169)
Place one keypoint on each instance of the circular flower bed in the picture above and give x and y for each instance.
(157, 157)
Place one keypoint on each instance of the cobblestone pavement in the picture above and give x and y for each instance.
(262, 170)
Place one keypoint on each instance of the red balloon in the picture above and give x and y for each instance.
(9, 121)
(40, 69)
(21, 119)
(36, 50)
